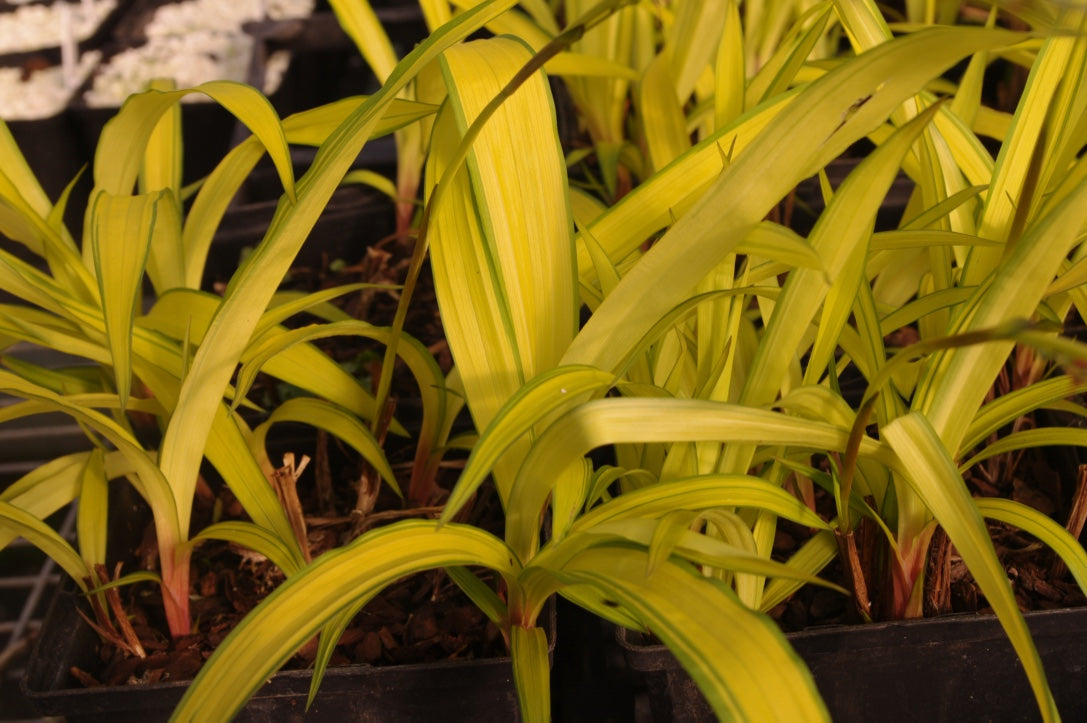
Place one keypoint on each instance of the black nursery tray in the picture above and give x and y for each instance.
(954, 668)
(468, 690)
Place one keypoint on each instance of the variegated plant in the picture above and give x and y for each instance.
(718, 412)
(87, 301)
(808, 338)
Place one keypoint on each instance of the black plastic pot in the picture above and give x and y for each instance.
(956, 668)
(325, 64)
(52, 150)
(353, 219)
(469, 690)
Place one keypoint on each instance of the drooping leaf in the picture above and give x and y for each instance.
(119, 153)
(252, 537)
(1045, 529)
(700, 493)
(305, 602)
(19, 523)
(738, 658)
(335, 420)
(608, 421)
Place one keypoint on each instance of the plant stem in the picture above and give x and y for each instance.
(847, 547)
(175, 589)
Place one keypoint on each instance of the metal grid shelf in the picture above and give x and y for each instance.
(24, 597)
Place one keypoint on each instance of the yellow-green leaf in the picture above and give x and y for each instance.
(121, 232)
(306, 601)
(933, 477)
(531, 672)
(739, 658)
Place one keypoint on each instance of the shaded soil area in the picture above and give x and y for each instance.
(1040, 581)
(423, 618)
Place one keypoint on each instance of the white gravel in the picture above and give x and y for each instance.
(221, 15)
(41, 95)
(193, 42)
(32, 27)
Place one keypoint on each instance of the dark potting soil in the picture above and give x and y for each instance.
(423, 618)
(1039, 581)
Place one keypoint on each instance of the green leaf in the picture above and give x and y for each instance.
(780, 244)
(662, 117)
(229, 453)
(840, 237)
(501, 244)
(45, 489)
(27, 217)
(812, 557)
(166, 262)
(149, 481)
(669, 532)
(185, 314)
(1036, 124)
(957, 380)
(363, 27)
(92, 520)
(1014, 404)
(730, 76)
(780, 70)
(161, 168)
(923, 239)
(326, 647)
(481, 595)
(18, 172)
(692, 40)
